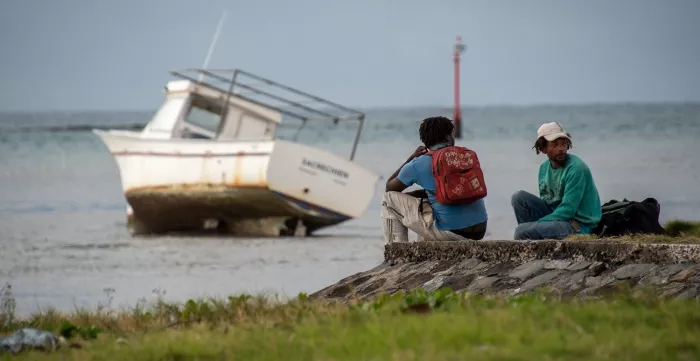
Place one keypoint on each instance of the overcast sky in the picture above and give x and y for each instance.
(114, 55)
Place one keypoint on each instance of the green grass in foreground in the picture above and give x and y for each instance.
(415, 326)
(677, 231)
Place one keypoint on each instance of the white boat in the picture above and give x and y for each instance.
(209, 158)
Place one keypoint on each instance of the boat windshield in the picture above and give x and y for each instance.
(203, 118)
(166, 116)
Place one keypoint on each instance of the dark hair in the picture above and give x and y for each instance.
(541, 144)
(435, 130)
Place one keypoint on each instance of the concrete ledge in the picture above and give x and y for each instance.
(570, 268)
(491, 251)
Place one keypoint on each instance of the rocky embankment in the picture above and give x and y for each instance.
(570, 268)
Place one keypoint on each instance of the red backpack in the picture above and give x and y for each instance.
(458, 175)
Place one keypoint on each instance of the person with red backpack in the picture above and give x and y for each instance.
(450, 207)
(568, 201)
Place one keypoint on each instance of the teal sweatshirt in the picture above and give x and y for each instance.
(572, 191)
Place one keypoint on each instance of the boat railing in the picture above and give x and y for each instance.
(273, 95)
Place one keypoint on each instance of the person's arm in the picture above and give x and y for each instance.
(393, 184)
(418, 193)
(573, 194)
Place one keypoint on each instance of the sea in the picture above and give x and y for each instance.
(64, 241)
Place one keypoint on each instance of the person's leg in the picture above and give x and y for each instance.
(543, 230)
(401, 212)
(528, 207)
(393, 209)
(428, 231)
(475, 232)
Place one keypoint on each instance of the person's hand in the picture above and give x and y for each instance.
(419, 151)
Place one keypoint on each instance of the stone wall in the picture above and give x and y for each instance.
(571, 268)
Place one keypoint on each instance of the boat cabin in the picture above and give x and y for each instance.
(193, 111)
(232, 104)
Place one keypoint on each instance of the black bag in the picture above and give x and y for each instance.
(629, 218)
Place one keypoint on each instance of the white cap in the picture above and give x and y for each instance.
(552, 131)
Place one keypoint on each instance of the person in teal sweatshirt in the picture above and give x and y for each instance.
(568, 202)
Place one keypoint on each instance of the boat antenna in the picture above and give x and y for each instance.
(213, 43)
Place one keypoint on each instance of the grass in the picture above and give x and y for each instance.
(415, 326)
(677, 231)
(679, 228)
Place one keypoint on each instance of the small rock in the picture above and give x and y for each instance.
(461, 282)
(482, 283)
(661, 275)
(581, 265)
(528, 269)
(435, 284)
(571, 282)
(596, 268)
(683, 275)
(448, 272)
(689, 293)
(392, 290)
(441, 267)
(413, 280)
(557, 264)
(338, 291)
(599, 281)
(482, 266)
(606, 290)
(373, 286)
(29, 338)
(455, 282)
(578, 276)
(671, 291)
(468, 264)
(541, 279)
(506, 283)
(632, 271)
(498, 269)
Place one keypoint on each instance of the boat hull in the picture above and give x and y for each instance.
(262, 188)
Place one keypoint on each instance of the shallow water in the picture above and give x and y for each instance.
(63, 237)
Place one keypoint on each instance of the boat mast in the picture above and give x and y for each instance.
(459, 49)
(213, 43)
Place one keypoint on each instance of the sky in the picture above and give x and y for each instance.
(115, 55)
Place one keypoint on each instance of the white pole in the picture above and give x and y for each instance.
(213, 43)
